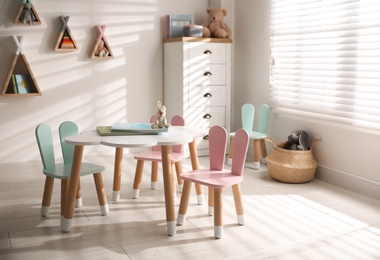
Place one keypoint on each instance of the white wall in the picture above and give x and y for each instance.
(346, 155)
(75, 87)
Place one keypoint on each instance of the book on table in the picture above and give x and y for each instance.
(106, 131)
(137, 127)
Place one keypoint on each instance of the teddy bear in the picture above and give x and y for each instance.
(299, 140)
(216, 28)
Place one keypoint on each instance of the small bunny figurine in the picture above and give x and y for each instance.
(161, 119)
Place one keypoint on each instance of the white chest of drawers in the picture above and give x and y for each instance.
(197, 82)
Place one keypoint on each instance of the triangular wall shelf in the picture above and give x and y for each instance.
(25, 13)
(20, 80)
(65, 41)
(101, 49)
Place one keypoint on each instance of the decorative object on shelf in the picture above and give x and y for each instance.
(27, 14)
(20, 80)
(193, 30)
(291, 166)
(216, 28)
(174, 24)
(161, 121)
(299, 140)
(101, 49)
(65, 41)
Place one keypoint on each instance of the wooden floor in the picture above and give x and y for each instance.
(283, 221)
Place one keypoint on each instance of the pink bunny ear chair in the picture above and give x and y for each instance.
(176, 155)
(217, 178)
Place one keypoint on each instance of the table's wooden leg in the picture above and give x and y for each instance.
(168, 188)
(73, 187)
(178, 169)
(195, 166)
(117, 174)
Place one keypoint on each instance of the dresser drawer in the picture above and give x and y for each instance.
(207, 96)
(207, 74)
(205, 117)
(207, 53)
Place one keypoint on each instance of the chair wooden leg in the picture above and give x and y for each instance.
(229, 162)
(210, 201)
(137, 181)
(263, 148)
(64, 189)
(117, 173)
(256, 154)
(238, 204)
(195, 166)
(78, 200)
(184, 202)
(46, 197)
(218, 216)
(154, 175)
(178, 169)
(101, 193)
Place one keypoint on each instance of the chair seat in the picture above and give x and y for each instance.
(252, 135)
(156, 156)
(214, 179)
(62, 171)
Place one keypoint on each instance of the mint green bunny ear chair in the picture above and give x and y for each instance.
(62, 171)
(247, 117)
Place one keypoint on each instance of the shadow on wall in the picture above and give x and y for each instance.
(73, 86)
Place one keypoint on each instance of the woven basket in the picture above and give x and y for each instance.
(291, 166)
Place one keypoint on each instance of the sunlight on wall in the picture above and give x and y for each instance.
(74, 87)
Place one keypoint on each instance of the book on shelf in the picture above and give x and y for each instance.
(174, 24)
(137, 127)
(24, 83)
(106, 131)
(15, 90)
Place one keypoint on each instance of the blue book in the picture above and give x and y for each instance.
(24, 83)
(137, 127)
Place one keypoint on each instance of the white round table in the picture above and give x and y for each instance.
(176, 135)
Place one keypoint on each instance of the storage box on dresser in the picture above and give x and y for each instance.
(197, 82)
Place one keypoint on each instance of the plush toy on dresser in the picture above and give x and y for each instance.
(216, 28)
(161, 119)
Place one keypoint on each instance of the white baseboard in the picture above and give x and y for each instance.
(349, 181)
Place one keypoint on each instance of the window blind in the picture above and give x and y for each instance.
(326, 59)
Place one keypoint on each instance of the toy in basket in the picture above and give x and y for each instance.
(291, 166)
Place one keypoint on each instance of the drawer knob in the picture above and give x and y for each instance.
(207, 116)
(207, 73)
(207, 52)
(205, 137)
(207, 95)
